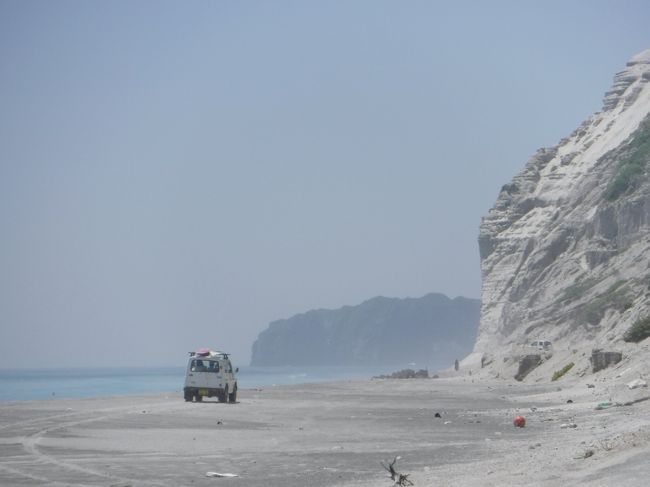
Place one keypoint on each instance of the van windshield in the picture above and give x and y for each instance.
(199, 365)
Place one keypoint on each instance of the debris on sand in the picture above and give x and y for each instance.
(637, 383)
(217, 474)
(406, 374)
(398, 478)
(604, 405)
(586, 454)
(609, 404)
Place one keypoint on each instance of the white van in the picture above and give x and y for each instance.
(210, 374)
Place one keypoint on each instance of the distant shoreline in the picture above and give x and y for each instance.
(16, 385)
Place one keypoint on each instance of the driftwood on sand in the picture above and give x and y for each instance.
(398, 478)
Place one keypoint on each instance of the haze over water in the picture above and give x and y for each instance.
(176, 175)
(25, 385)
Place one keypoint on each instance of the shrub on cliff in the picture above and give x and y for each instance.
(617, 297)
(631, 168)
(577, 290)
(638, 331)
(559, 373)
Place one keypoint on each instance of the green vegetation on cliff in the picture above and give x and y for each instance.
(633, 164)
(640, 330)
(558, 374)
(577, 290)
(617, 297)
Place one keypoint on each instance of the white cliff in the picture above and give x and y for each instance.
(565, 251)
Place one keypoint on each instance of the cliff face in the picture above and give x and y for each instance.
(429, 330)
(565, 251)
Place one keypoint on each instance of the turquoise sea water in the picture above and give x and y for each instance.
(23, 385)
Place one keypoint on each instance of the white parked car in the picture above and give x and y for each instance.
(210, 374)
(541, 344)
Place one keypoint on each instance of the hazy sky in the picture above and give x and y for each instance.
(176, 175)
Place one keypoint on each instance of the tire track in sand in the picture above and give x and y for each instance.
(31, 442)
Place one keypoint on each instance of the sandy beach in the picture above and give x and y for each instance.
(333, 434)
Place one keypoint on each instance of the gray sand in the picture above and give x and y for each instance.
(330, 434)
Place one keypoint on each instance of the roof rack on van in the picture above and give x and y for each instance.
(210, 353)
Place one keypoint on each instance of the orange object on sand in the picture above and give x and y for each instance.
(519, 421)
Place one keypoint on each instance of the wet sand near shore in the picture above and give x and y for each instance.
(330, 435)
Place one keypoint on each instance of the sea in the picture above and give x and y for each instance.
(27, 385)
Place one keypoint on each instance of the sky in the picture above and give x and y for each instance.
(176, 175)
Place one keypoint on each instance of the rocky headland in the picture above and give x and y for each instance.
(433, 329)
